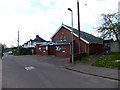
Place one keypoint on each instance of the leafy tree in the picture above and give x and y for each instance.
(110, 26)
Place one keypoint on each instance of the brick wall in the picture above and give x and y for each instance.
(64, 52)
(41, 50)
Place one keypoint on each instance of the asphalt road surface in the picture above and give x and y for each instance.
(33, 72)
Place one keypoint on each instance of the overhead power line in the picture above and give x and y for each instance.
(89, 9)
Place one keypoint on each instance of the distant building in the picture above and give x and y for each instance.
(32, 43)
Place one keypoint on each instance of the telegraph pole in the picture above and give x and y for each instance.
(79, 55)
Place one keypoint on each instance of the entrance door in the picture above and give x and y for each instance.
(51, 50)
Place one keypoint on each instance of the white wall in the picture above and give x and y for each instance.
(115, 47)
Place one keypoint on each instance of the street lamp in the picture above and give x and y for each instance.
(72, 35)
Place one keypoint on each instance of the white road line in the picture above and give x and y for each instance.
(29, 68)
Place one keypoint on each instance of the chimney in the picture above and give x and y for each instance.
(37, 36)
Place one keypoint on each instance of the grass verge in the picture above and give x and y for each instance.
(108, 61)
(84, 59)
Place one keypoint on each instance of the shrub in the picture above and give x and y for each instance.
(22, 51)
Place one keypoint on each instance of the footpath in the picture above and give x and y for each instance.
(82, 68)
(95, 71)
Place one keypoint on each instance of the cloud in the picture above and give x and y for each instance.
(44, 17)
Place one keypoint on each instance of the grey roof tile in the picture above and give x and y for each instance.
(86, 36)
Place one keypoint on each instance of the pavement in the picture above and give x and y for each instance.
(95, 71)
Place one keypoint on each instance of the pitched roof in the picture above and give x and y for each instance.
(38, 39)
(86, 37)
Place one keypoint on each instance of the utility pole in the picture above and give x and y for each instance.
(79, 55)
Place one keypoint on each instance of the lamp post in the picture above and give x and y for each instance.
(79, 56)
(72, 35)
(18, 42)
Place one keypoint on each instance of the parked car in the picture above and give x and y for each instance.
(10, 53)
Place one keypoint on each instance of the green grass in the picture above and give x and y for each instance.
(84, 59)
(108, 61)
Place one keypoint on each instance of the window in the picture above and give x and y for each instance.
(64, 38)
(63, 47)
(61, 38)
(43, 48)
(58, 48)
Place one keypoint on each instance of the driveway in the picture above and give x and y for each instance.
(42, 72)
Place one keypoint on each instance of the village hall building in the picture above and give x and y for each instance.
(62, 42)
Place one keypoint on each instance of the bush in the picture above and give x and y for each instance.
(22, 51)
(15, 51)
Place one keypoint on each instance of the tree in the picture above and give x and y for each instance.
(5, 46)
(110, 26)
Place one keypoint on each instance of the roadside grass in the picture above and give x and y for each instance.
(108, 61)
(84, 59)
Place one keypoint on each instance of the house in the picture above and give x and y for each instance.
(32, 43)
(61, 43)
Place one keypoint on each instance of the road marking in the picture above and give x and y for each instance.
(30, 68)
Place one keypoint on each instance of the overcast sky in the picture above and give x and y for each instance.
(44, 17)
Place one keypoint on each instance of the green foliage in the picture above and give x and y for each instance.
(108, 61)
(15, 52)
(84, 59)
(22, 51)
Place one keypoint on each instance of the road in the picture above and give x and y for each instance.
(35, 72)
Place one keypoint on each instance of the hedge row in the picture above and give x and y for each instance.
(22, 51)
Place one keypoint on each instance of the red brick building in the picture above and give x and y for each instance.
(61, 43)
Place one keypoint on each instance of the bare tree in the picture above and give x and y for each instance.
(110, 26)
